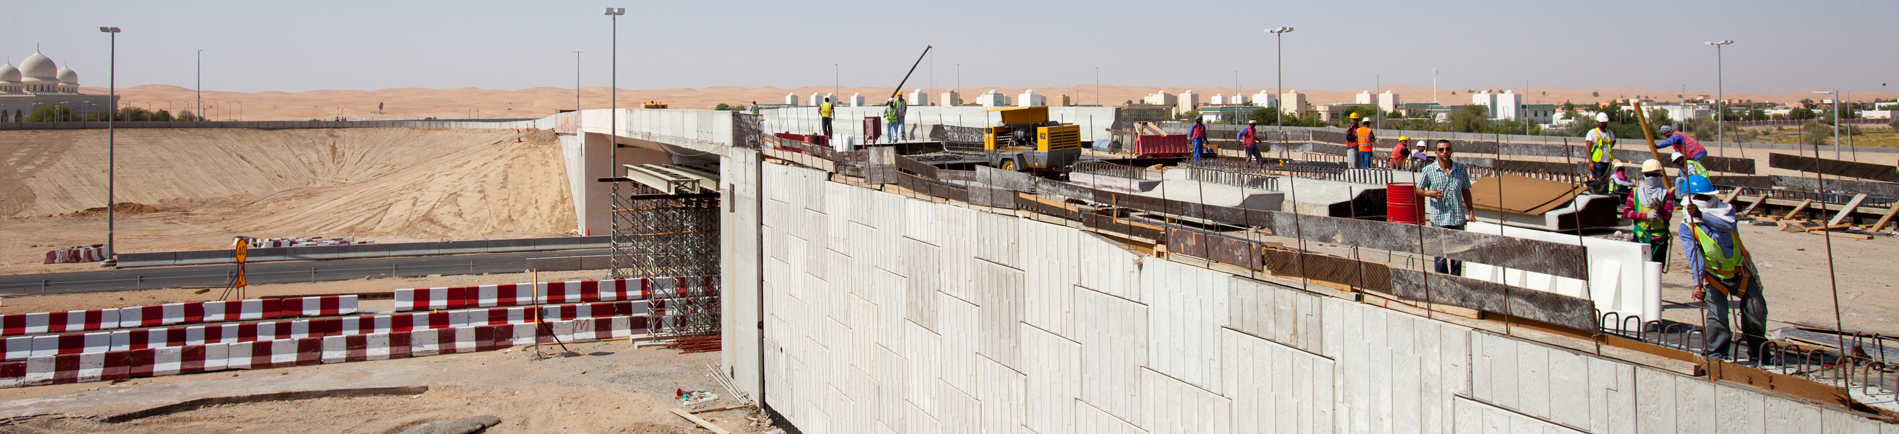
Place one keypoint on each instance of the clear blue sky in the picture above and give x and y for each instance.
(255, 46)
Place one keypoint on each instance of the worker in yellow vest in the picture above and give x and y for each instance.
(1711, 242)
(890, 120)
(1365, 138)
(1601, 143)
(824, 115)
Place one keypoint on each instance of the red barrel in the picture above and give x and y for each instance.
(1402, 204)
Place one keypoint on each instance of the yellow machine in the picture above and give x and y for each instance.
(1028, 141)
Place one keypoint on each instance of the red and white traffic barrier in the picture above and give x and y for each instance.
(329, 305)
(240, 310)
(56, 322)
(164, 314)
(566, 292)
(75, 254)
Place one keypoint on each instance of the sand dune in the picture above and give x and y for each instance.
(209, 185)
(461, 103)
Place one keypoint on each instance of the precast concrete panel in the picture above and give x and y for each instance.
(1275, 388)
(923, 276)
(776, 238)
(1174, 406)
(999, 311)
(840, 357)
(1051, 365)
(959, 251)
(1568, 389)
(817, 245)
(1655, 401)
(1109, 267)
(997, 237)
(1407, 391)
(816, 190)
(961, 413)
(893, 387)
(818, 300)
(1004, 396)
(889, 294)
(889, 215)
(1089, 419)
(1739, 411)
(796, 262)
(1695, 410)
(1049, 264)
(1612, 405)
(837, 205)
(1533, 379)
(1188, 308)
(919, 222)
(960, 322)
(862, 401)
(1478, 417)
(1839, 422)
(863, 329)
(925, 350)
(1113, 336)
(1378, 349)
(915, 421)
(1787, 416)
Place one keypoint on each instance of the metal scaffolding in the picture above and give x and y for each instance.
(673, 241)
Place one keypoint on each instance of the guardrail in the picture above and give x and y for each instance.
(355, 251)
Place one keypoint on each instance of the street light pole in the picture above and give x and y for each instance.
(1720, 99)
(1836, 122)
(200, 113)
(1279, 54)
(111, 144)
(576, 83)
(613, 107)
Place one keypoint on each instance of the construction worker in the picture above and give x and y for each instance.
(1199, 137)
(1447, 184)
(902, 110)
(1251, 141)
(1690, 169)
(1681, 143)
(1399, 152)
(1717, 259)
(1619, 183)
(1365, 140)
(891, 124)
(1650, 206)
(1351, 142)
(754, 107)
(1601, 143)
(825, 111)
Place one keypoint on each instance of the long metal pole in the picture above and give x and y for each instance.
(112, 146)
(200, 113)
(1720, 105)
(576, 83)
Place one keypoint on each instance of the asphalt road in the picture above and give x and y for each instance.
(274, 272)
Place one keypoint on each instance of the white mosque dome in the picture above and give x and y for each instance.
(38, 67)
(9, 74)
(67, 76)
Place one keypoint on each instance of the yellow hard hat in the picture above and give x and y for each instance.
(899, 93)
(1402, 139)
(1354, 115)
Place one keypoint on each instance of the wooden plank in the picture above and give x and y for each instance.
(1798, 209)
(1887, 218)
(709, 410)
(1731, 194)
(1847, 210)
(1843, 235)
(1750, 208)
(701, 422)
(1387, 300)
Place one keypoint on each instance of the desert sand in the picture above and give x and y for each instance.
(195, 189)
(464, 103)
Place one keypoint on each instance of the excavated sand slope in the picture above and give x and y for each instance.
(208, 185)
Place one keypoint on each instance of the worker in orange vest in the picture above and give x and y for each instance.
(1398, 153)
(1364, 138)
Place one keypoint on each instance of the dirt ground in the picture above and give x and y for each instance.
(604, 387)
(196, 189)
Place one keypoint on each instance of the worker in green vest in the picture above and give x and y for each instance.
(1711, 242)
(1650, 207)
(890, 120)
(824, 114)
(1601, 143)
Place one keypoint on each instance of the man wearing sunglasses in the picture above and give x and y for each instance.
(1447, 185)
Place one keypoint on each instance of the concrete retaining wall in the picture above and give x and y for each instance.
(882, 313)
(355, 251)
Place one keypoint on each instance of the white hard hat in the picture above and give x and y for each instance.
(1602, 117)
(1651, 166)
(1674, 156)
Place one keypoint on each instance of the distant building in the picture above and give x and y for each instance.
(950, 98)
(1226, 113)
(1388, 101)
(857, 100)
(1160, 98)
(993, 99)
(1029, 98)
(1263, 99)
(791, 99)
(1294, 103)
(38, 82)
(917, 98)
(1188, 102)
(1060, 101)
(1146, 113)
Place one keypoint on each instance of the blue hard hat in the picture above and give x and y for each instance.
(1698, 184)
(1667, 128)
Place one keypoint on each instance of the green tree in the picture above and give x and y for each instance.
(52, 113)
(1470, 119)
(1265, 116)
(1815, 133)
(722, 106)
(1800, 114)
(1894, 123)
(1596, 94)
